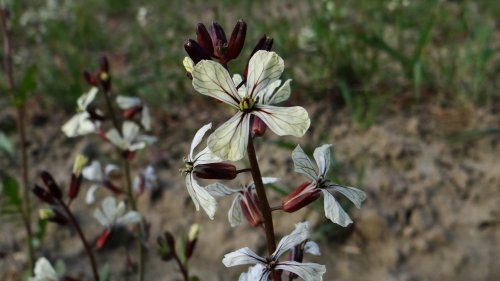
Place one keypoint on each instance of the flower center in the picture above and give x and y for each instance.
(188, 167)
(246, 104)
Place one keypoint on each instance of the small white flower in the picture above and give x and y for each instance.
(113, 215)
(230, 140)
(199, 194)
(235, 213)
(254, 273)
(333, 210)
(81, 124)
(307, 271)
(131, 139)
(125, 103)
(44, 271)
(146, 180)
(98, 177)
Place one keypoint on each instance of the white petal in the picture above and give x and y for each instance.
(198, 137)
(282, 94)
(230, 140)
(300, 233)
(93, 172)
(89, 198)
(213, 80)
(86, 99)
(109, 207)
(334, 211)
(312, 248)
(220, 190)
(205, 157)
(114, 137)
(125, 102)
(201, 197)
(303, 164)
(44, 271)
(355, 195)
(132, 217)
(242, 256)
(235, 213)
(188, 64)
(265, 180)
(263, 69)
(284, 121)
(255, 273)
(103, 220)
(146, 118)
(79, 125)
(111, 168)
(323, 158)
(119, 210)
(136, 183)
(307, 271)
(242, 91)
(130, 131)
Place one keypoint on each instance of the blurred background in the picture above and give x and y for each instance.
(408, 93)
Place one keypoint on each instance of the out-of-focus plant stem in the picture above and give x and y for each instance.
(20, 122)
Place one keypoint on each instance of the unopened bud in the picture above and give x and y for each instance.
(188, 64)
(74, 186)
(166, 245)
(91, 79)
(45, 213)
(103, 64)
(103, 238)
(194, 231)
(258, 127)
(195, 51)
(80, 162)
(236, 41)
(131, 112)
(215, 171)
(203, 38)
(51, 184)
(52, 215)
(219, 40)
(300, 197)
(43, 194)
(250, 207)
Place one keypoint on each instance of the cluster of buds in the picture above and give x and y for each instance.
(52, 195)
(100, 78)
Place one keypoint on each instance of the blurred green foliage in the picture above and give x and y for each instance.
(364, 52)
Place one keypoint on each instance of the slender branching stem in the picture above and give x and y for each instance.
(182, 267)
(86, 245)
(264, 203)
(128, 181)
(20, 122)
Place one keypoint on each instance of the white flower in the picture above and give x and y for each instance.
(235, 213)
(44, 271)
(131, 139)
(333, 210)
(230, 140)
(99, 177)
(199, 194)
(255, 273)
(113, 215)
(307, 271)
(81, 124)
(125, 103)
(146, 180)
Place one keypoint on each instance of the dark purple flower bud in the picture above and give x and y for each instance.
(195, 51)
(250, 207)
(301, 197)
(54, 189)
(103, 64)
(236, 41)
(258, 127)
(74, 186)
(194, 232)
(131, 112)
(204, 39)
(167, 246)
(219, 40)
(90, 78)
(43, 194)
(215, 171)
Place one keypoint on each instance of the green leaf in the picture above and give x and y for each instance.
(6, 145)
(194, 278)
(105, 273)
(28, 83)
(11, 190)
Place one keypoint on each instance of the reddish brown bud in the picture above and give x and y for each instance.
(74, 186)
(131, 112)
(43, 194)
(103, 238)
(109, 185)
(204, 39)
(194, 232)
(218, 35)
(215, 171)
(250, 207)
(195, 51)
(300, 197)
(103, 64)
(258, 127)
(51, 184)
(90, 78)
(236, 41)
